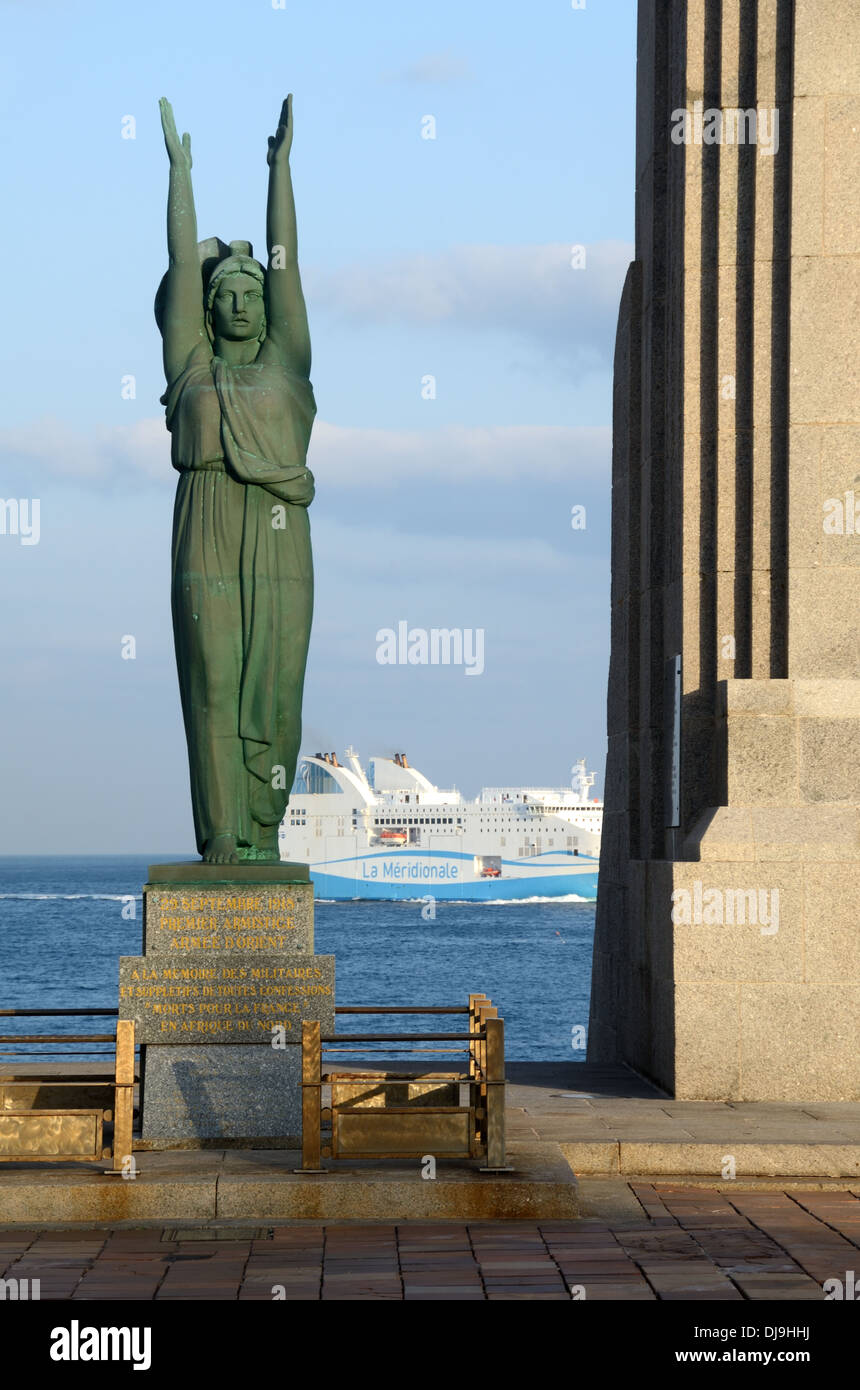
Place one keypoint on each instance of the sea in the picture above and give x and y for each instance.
(65, 921)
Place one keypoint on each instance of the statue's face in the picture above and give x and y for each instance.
(238, 311)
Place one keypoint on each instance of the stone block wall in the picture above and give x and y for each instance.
(736, 546)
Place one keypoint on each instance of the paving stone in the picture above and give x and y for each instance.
(618, 1292)
(697, 1244)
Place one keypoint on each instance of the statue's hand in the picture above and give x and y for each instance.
(179, 151)
(281, 142)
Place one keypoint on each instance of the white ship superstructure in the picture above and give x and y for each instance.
(390, 833)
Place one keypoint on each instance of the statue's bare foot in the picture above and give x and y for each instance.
(221, 849)
(264, 849)
(256, 854)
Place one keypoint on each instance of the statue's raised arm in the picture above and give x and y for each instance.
(183, 326)
(288, 335)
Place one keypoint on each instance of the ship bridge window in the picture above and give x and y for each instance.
(312, 780)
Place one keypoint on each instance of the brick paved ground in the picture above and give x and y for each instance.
(690, 1243)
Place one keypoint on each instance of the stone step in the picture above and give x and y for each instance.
(262, 1185)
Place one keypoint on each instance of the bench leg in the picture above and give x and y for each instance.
(123, 1110)
(311, 1096)
(495, 1094)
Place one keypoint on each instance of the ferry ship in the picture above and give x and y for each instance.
(389, 833)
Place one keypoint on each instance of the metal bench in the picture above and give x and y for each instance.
(399, 1115)
(65, 1132)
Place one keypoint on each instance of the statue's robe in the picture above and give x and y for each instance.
(242, 592)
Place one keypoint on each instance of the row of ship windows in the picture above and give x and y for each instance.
(524, 851)
(411, 820)
(528, 849)
(298, 819)
(297, 811)
(297, 816)
(419, 820)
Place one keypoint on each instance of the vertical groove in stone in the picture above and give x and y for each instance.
(688, 308)
(779, 356)
(745, 231)
(672, 636)
(727, 350)
(653, 308)
(651, 252)
(765, 242)
(657, 405)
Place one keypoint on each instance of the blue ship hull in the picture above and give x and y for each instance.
(340, 888)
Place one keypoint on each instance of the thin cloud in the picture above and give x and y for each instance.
(377, 553)
(342, 455)
(533, 292)
(503, 453)
(104, 454)
(443, 68)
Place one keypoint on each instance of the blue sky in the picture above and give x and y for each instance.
(448, 257)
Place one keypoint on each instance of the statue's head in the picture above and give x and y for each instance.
(233, 291)
(235, 304)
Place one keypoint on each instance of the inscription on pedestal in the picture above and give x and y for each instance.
(258, 919)
(216, 998)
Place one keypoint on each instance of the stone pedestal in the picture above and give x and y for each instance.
(218, 998)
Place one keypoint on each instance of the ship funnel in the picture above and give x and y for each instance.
(397, 759)
(334, 761)
(404, 762)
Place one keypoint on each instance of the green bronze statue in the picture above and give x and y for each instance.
(240, 408)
